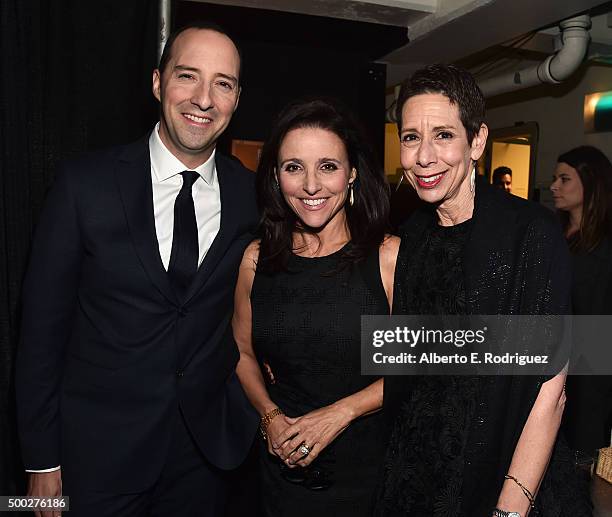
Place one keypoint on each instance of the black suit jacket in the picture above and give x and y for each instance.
(108, 350)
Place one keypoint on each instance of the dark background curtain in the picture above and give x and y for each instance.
(74, 76)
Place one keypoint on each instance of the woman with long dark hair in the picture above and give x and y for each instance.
(323, 260)
(582, 193)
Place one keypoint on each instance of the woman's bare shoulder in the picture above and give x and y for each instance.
(251, 255)
(389, 248)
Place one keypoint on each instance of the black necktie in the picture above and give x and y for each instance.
(185, 252)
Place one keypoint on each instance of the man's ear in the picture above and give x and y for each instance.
(237, 99)
(479, 142)
(157, 84)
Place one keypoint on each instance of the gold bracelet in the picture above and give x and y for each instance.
(266, 419)
(525, 490)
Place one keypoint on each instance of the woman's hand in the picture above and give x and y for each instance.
(316, 430)
(275, 429)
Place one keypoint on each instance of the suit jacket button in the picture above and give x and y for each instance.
(180, 373)
(182, 312)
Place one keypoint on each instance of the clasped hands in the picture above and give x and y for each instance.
(316, 429)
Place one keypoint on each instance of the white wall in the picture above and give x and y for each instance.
(558, 110)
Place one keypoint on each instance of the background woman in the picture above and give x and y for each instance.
(582, 193)
(322, 262)
(469, 446)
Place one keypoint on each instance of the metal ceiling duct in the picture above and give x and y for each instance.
(163, 25)
(554, 69)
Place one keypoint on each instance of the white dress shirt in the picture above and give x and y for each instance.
(167, 181)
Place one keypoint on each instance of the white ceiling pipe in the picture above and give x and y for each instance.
(163, 25)
(554, 69)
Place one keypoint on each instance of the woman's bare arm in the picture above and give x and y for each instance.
(535, 445)
(248, 369)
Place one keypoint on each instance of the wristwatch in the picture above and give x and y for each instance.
(501, 513)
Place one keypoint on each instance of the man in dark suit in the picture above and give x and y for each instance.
(125, 378)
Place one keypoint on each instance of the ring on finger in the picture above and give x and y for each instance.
(304, 450)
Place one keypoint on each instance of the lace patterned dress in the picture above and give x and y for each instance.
(431, 415)
(306, 327)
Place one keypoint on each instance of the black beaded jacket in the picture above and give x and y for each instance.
(515, 261)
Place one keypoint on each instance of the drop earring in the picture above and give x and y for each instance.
(473, 179)
(351, 194)
(399, 183)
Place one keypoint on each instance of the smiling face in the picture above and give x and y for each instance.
(314, 174)
(198, 91)
(436, 155)
(567, 188)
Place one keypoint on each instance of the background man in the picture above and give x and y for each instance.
(125, 375)
(502, 178)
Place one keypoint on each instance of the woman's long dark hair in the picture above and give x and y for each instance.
(367, 219)
(595, 172)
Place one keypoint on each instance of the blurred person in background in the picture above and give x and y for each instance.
(502, 178)
(582, 193)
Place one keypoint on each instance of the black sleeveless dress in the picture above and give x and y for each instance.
(430, 417)
(306, 327)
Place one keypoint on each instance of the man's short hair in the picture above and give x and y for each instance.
(500, 172)
(198, 25)
(456, 84)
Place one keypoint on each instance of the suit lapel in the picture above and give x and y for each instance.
(133, 175)
(230, 211)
